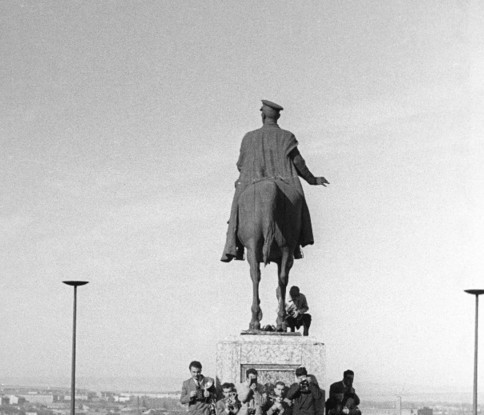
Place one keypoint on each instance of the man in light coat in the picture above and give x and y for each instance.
(198, 392)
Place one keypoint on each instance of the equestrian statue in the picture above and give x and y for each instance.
(269, 215)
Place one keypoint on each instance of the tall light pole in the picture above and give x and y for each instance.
(74, 284)
(399, 405)
(477, 293)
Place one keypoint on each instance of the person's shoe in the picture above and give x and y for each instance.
(298, 253)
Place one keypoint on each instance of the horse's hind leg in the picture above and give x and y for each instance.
(283, 266)
(255, 276)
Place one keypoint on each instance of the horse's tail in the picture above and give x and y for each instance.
(270, 223)
(268, 239)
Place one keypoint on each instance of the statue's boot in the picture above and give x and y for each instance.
(230, 253)
(230, 249)
(227, 257)
(238, 256)
(233, 248)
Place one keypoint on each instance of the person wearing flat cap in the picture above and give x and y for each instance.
(270, 153)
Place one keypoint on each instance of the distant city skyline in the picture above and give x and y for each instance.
(156, 385)
(49, 402)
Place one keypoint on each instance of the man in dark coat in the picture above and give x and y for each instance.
(350, 398)
(270, 153)
(196, 392)
(335, 404)
(305, 394)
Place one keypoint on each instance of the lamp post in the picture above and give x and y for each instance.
(399, 405)
(74, 284)
(477, 293)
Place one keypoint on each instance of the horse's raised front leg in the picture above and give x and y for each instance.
(255, 276)
(283, 267)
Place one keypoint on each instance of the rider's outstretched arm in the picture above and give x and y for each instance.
(303, 170)
(301, 167)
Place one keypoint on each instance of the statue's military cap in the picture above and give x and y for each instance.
(271, 104)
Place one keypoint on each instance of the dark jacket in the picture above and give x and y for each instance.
(349, 392)
(304, 403)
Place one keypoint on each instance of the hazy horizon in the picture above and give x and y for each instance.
(369, 390)
(420, 395)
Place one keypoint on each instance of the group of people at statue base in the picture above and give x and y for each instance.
(303, 397)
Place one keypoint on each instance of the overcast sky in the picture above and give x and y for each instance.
(120, 128)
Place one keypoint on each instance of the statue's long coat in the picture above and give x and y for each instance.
(264, 154)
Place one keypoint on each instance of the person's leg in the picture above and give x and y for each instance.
(291, 323)
(298, 254)
(306, 321)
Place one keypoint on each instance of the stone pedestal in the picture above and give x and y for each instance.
(275, 357)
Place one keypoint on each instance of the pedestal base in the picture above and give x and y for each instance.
(275, 357)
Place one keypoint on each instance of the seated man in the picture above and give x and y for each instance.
(251, 394)
(334, 405)
(276, 403)
(350, 399)
(297, 309)
(229, 404)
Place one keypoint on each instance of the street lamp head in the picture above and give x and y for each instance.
(75, 283)
(474, 292)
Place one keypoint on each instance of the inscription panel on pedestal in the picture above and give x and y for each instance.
(276, 353)
(268, 373)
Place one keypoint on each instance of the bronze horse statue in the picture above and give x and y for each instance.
(269, 215)
(269, 226)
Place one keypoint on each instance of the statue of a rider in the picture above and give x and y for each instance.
(270, 153)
